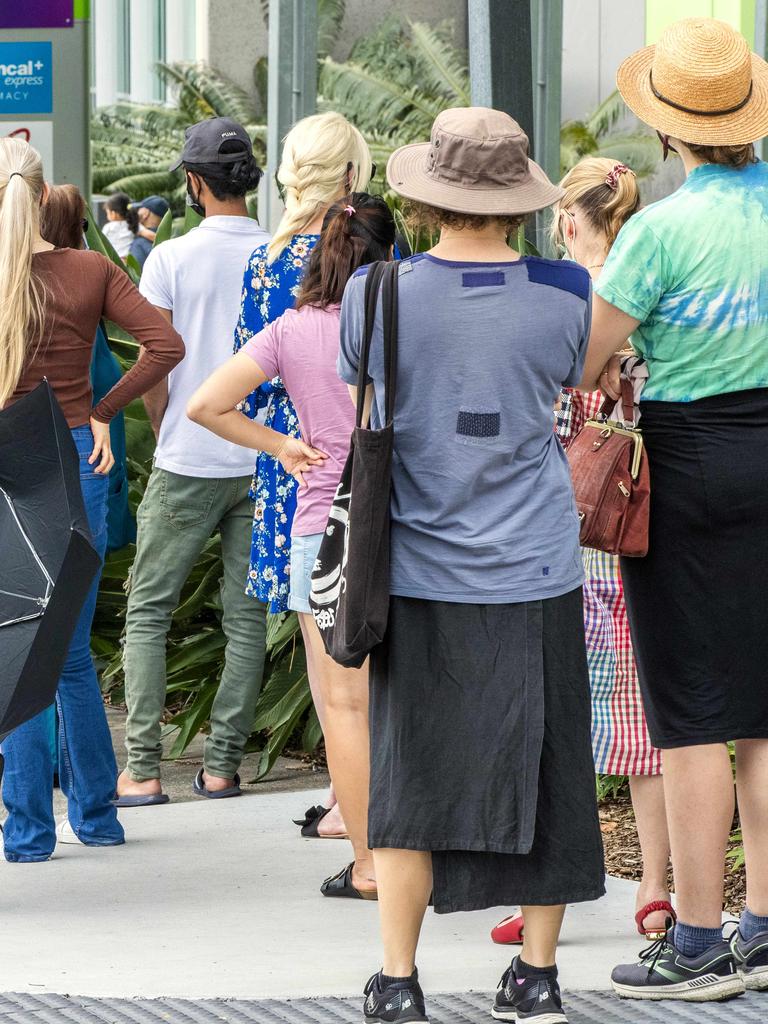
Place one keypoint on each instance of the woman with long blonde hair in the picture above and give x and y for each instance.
(51, 302)
(324, 158)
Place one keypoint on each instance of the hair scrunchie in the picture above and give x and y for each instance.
(612, 177)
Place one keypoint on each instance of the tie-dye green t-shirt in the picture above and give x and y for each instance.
(693, 269)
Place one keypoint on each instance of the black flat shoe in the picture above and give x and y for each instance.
(310, 823)
(341, 886)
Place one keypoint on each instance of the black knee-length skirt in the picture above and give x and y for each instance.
(697, 601)
(481, 751)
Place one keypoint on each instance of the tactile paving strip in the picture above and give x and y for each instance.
(464, 1008)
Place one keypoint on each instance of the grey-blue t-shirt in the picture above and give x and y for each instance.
(482, 503)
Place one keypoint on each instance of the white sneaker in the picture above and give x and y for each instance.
(65, 834)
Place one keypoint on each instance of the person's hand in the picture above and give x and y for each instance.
(101, 458)
(298, 458)
(610, 378)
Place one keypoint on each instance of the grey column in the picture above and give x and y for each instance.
(500, 58)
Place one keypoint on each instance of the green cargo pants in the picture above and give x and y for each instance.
(175, 520)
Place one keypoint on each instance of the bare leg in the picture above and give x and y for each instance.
(405, 884)
(343, 693)
(542, 930)
(698, 786)
(752, 787)
(651, 819)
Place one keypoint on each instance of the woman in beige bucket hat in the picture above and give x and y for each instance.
(687, 277)
(479, 697)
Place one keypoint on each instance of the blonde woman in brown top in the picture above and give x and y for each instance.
(51, 301)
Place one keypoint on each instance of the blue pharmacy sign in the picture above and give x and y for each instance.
(26, 78)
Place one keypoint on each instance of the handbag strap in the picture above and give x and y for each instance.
(381, 276)
(627, 402)
(372, 281)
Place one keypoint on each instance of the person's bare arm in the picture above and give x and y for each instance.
(611, 329)
(156, 399)
(214, 403)
(368, 401)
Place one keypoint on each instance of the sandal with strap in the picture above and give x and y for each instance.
(509, 932)
(654, 934)
(310, 823)
(340, 885)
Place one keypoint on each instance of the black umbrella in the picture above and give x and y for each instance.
(47, 561)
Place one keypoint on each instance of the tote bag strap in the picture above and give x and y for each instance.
(372, 282)
(389, 311)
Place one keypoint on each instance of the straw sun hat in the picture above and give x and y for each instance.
(699, 84)
(476, 162)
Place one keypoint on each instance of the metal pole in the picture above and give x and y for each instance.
(500, 58)
(304, 58)
(279, 104)
(761, 48)
(547, 25)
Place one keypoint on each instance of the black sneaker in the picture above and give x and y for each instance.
(662, 972)
(401, 1002)
(751, 959)
(535, 999)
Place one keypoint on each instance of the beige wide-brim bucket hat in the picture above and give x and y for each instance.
(699, 84)
(476, 162)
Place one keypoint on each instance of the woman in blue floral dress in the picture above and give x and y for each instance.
(324, 157)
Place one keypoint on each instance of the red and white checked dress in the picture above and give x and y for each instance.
(620, 741)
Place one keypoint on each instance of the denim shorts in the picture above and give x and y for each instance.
(303, 555)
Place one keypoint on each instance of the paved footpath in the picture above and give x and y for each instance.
(218, 902)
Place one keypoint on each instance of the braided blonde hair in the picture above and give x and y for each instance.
(317, 153)
(21, 295)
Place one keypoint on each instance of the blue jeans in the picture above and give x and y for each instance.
(87, 766)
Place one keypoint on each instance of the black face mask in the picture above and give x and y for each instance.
(193, 201)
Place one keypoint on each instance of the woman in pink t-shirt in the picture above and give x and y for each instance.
(302, 347)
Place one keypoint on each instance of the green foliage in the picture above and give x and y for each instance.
(133, 144)
(610, 787)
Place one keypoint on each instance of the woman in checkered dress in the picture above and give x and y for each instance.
(600, 195)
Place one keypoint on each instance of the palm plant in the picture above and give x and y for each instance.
(133, 144)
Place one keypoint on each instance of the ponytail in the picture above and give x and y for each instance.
(356, 231)
(21, 295)
(605, 190)
(120, 203)
(320, 153)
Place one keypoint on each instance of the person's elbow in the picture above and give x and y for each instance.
(199, 410)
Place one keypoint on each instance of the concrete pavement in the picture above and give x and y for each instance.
(220, 900)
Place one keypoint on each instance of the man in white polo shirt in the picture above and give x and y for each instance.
(199, 483)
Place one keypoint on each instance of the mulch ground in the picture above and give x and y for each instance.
(622, 851)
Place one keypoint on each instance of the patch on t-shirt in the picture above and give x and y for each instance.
(478, 424)
(559, 274)
(482, 279)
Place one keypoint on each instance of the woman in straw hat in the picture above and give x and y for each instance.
(687, 278)
(482, 786)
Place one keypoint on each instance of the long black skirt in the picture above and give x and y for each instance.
(481, 751)
(697, 601)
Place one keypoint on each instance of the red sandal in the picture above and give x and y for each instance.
(509, 932)
(650, 933)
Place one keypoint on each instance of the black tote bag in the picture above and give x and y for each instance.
(350, 581)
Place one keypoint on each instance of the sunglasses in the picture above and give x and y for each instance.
(86, 225)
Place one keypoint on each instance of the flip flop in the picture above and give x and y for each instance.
(340, 885)
(220, 794)
(310, 824)
(654, 934)
(148, 800)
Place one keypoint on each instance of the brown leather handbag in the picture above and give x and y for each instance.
(609, 467)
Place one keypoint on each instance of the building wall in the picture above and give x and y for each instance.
(597, 36)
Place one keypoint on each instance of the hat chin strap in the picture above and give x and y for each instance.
(699, 113)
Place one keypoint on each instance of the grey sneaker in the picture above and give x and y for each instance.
(662, 972)
(751, 959)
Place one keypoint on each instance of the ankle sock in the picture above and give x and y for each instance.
(386, 980)
(751, 925)
(525, 970)
(692, 941)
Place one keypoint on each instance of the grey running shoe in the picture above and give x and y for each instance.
(751, 959)
(662, 972)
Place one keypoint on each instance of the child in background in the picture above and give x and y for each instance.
(122, 223)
